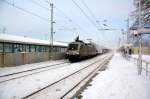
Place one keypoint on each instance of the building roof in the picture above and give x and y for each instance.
(27, 40)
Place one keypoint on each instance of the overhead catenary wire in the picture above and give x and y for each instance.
(66, 28)
(90, 11)
(93, 23)
(30, 12)
(68, 18)
(38, 4)
(93, 17)
(39, 16)
(26, 11)
(84, 13)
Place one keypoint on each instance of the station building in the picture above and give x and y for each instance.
(17, 50)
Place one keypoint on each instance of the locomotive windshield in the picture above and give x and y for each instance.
(73, 47)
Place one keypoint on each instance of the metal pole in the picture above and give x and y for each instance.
(140, 41)
(51, 35)
(140, 54)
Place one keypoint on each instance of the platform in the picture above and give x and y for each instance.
(119, 81)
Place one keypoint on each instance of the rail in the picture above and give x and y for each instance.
(102, 60)
(16, 75)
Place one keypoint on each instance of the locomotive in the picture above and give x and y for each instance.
(78, 50)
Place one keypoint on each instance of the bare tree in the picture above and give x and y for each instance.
(145, 11)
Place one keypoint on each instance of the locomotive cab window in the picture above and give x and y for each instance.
(73, 47)
(82, 46)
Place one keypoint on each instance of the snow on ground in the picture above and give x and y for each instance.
(144, 57)
(8, 70)
(119, 81)
(18, 88)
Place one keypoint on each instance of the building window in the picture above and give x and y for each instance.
(1, 47)
(41, 48)
(47, 49)
(60, 49)
(38, 48)
(23, 48)
(16, 48)
(54, 49)
(8, 47)
(20, 48)
(44, 48)
(32, 48)
(27, 48)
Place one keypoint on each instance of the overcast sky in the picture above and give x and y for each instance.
(70, 20)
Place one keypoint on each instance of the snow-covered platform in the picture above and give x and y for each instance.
(119, 81)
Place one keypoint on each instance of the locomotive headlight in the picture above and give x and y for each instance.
(67, 53)
(73, 52)
(77, 52)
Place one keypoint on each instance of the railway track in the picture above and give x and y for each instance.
(56, 89)
(20, 74)
(81, 85)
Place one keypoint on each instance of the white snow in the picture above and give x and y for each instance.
(9, 70)
(20, 39)
(58, 90)
(21, 87)
(144, 57)
(119, 81)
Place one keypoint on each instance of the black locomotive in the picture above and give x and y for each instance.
(78, 50)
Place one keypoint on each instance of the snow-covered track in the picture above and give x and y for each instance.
(75, 81)
(74, 91)
(19, 74)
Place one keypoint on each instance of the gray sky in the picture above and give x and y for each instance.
(18, 22)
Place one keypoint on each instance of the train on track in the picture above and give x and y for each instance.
(78, 50)
(17, 50)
